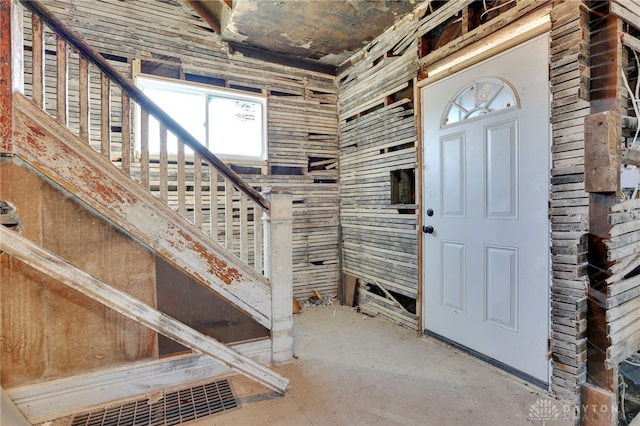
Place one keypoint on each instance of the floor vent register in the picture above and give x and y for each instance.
(172, 408)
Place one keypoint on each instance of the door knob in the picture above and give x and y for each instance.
(427, 229)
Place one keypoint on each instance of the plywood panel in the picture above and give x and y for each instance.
(63, 332)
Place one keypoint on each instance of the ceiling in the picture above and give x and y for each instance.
(320, 34)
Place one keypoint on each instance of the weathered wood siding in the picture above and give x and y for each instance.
(377, 138)
(569, 74)
(302, 117)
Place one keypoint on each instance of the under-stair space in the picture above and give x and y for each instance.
(130, 274)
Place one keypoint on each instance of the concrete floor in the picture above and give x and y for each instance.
(357, 370)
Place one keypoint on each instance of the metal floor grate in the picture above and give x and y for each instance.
(172, 409)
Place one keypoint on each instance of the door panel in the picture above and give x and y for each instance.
(452, 175)
(501, 287)
(501, 159)
(486, 178)
(453, 276)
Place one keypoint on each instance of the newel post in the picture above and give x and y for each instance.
(11, 68)
(278, 267)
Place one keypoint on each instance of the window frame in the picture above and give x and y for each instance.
(207, 92)
(472, 86)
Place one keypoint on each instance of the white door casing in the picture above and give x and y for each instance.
(486, 179)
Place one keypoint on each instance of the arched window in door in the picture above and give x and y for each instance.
(478, 98)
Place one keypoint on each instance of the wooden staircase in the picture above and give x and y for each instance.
(223, 249)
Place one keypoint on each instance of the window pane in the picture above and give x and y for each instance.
(235, 127)
(480, 97)
(184, 107)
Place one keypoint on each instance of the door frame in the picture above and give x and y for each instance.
(479, 53)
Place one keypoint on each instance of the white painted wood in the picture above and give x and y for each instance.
(58, 398)
(279, 269)
(244, 229)
(9, 412)
(50, 264)
(258, 236)
(228, 214)
(486, 265)
(17, 47)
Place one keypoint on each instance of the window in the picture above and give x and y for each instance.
(230, 123)
(478, 98)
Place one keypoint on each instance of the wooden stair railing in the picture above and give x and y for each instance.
(204, 189)
(224, 208)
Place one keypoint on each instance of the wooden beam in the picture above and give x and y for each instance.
(599, 228)
(11, 64)
(212, 11)
(602, 133)
(6, 92)
(606, 64)
(602, 180)
(486, 41)
(279, 268)
(599, 406)
(48, 263)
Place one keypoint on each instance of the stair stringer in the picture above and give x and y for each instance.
(61, 156)
(59, 269)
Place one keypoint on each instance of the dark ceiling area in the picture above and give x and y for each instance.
(316, 34)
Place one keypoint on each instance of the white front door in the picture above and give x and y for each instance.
(486, 186)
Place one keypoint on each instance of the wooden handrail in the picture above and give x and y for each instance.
(64, 31)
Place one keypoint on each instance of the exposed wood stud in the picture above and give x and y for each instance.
(258, 239)
(11, 69)
(197, 191)
(213, 208)
(62, 79)
(126, 134)
(105, 116)
(144, 148)
(182, 205)
(228, 214)
(164, 161)
(83, 98)
(38, 60)
(244, 229)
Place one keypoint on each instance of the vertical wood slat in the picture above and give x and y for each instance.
(164, 162)
(38, 61)
(197, 191)
(105, 116)
(144, 148)
(244, 229)
(8, 34)
(62, 79)
(83, 98)
(258, 236)
(228, 214)
(126, 133)
(213, 199)
(182, 202)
